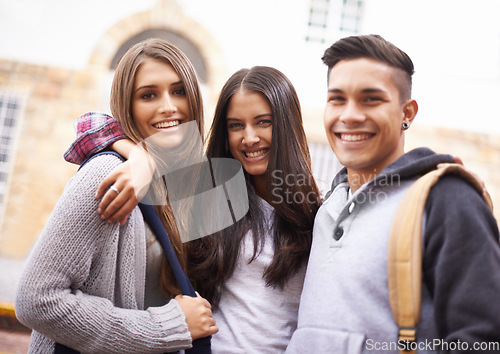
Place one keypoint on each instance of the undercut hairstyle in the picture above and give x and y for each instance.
(289, 156)
(377, 48)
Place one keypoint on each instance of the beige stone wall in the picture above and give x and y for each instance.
(55, 97)
(479, 152)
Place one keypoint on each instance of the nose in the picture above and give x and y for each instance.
(167, 105)
(352, 113)
(250, 136)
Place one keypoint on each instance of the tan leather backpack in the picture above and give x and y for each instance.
(405, 250)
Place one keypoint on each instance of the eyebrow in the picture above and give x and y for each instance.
(256, 117)
(153, 86)
(367, 90)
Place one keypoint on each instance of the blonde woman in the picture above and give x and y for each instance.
(98, 287)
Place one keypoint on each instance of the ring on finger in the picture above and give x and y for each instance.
(114, 189)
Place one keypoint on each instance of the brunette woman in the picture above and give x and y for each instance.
(255, 268)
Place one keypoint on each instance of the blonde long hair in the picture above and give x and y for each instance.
(121, 108)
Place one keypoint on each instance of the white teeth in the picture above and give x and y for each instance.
(256, 153)
(354, 137)
(169, 124)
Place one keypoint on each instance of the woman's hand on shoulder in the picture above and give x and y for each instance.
(198, 312)
(125, 187)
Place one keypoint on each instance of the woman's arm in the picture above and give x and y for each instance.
(96, 132)
(130, 180)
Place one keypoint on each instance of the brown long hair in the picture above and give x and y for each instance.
(121, 108)
(216, 258)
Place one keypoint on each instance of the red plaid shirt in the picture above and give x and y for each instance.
(95, 131)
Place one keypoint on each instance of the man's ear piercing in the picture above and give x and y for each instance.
(405, 125)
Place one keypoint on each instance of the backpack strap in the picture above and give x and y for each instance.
(200, 345)
(106, 152)
(405, 249)
(153, 220)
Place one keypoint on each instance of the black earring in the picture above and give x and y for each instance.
(405, 125)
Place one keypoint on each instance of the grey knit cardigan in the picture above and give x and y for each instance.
(84, 281)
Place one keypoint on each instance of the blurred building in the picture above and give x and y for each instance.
(38, 104)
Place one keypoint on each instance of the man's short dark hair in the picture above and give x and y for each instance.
(373, 47)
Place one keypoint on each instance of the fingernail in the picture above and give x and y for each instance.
(99, 211)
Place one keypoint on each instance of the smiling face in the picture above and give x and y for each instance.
(249, 126)
(363, 115)
(159, 102)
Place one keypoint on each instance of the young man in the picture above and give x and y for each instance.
(345, 301)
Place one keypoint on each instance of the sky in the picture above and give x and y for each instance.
(455, 44)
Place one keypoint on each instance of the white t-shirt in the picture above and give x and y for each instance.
(253, 317)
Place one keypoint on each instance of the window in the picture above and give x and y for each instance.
(332, 19)
(11, 106)
(318, 20)
(351, 16)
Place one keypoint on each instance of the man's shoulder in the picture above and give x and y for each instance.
(455, 204)
(453, 188)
